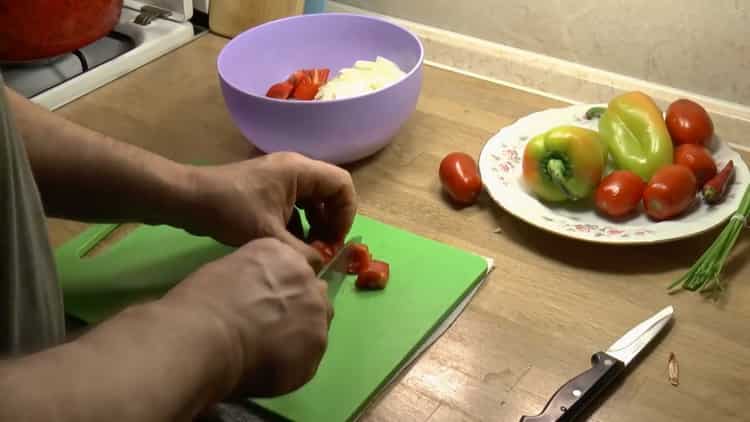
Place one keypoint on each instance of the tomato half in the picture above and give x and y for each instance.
(359, 258)
(670, 192)
(619, 193)
(280, 90)
(698, 159)
(689, 123)
(459, 176)
(374, 276)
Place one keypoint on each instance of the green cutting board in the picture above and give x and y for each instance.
(373, 334)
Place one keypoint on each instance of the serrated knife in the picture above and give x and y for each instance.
(335, 270)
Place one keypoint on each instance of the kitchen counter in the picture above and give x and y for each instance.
(549, 305)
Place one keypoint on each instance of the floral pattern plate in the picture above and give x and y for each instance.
(500, 168)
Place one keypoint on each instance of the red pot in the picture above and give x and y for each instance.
(38, 29)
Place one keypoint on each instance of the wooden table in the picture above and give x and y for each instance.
(549, 305)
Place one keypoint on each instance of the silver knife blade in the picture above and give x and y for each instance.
(334, 271)
(627, 347)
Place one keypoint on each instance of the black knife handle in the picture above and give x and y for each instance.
(570, 399)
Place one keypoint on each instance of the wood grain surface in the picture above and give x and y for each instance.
(549, 305)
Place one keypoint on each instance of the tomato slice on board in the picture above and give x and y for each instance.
(280, 90)
(359, 258)
(375, 276)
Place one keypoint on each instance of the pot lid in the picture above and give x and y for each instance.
(181, 10)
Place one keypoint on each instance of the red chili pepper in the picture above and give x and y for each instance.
(716, 188)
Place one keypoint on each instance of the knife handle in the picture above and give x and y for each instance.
(570, 399)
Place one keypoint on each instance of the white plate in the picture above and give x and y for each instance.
(500, 168)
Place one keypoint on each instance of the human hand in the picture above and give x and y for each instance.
(238, 202)
(272, 311)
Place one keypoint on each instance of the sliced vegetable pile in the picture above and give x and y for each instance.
(303, 84)
(660, 162)
(371, 274)
(313, 84)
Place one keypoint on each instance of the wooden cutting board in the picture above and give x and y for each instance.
(230, 17)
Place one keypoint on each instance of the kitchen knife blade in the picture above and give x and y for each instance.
(335, 270)
(571, 399)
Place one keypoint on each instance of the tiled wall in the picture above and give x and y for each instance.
(696, 45)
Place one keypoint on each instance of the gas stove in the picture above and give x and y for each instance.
(144, 33)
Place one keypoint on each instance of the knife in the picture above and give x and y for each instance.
(335, 270)
(572, 398)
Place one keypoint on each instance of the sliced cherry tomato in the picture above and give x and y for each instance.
(374, 276)
(619, 193)
(670, 192)
(359, 259)
(299, 76)
(698, 159)
(305, 91)
(320, 76)
(280, 90)
(459, 176)
(689, 123)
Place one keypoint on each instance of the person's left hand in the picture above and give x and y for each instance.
(251, 199)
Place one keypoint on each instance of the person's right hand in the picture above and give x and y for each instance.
(274, 311)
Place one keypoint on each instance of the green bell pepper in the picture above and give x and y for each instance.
(636, 135)
(564, 163)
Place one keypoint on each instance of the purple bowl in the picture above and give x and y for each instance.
(337, 131)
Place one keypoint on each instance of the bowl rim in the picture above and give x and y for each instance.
(409, 74)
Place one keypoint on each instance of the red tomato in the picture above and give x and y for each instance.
(374, 276)
(670, 192)
(280, 90)
(305, 91)
(689, 123)
(459, 176)
(698, 159)
(359, 258)
(619, 193)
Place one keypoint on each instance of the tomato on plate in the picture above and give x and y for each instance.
(359, 258)
(460, 178)
(374, 276)
(689, 123)
(670, 192)
(698, 159)
(619, 193)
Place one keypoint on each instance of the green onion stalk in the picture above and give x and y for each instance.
(705, 275)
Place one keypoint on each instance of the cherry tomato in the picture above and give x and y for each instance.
(360, 258)
(670, 192)
(689, 123)
(459, 176)
(698, 159)
(619, 193)
(374, 276)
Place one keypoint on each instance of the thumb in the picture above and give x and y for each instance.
(313, 257)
